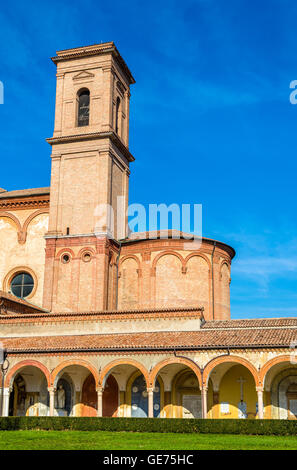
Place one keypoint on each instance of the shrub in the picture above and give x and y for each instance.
(209, 426)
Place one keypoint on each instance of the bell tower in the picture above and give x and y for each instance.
(89, 178)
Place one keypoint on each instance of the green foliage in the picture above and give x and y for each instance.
(164, 425)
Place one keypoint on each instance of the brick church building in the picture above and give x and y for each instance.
(98, 324)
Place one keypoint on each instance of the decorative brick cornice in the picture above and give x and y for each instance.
(36, 202)
(96, 49)
(55, 245)
(142, 243)
(106, 315)
(93, 136)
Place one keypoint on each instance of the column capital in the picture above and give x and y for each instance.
(100, 389)
(51, 389)
(260, 389)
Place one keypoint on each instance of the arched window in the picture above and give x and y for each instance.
(83, 107)
(117, 123)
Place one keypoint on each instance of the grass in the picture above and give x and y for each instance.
(106, 440)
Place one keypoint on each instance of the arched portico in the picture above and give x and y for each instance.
(70, 395)
(181, 379)
(119, 367)
(235, 384)
(20, 365)
(279, 376)
(119, 373)
(26, 390)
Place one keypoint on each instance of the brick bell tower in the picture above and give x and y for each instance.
(90, 173)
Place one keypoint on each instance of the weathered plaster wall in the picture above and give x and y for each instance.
(26, 253)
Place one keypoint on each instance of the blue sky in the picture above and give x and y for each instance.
(211, 120)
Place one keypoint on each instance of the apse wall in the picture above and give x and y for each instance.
(174, 273)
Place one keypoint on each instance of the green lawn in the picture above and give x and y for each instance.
(103, 440)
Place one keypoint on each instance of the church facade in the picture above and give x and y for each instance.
(99, 322)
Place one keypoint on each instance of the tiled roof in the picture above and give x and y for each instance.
(251, 323)
(16, 300)
(24, 193)
(203, 339)
(48, 317)
(154, 236)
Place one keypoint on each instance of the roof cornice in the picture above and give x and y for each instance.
(104, 313)
(96, 49)
(93, 136)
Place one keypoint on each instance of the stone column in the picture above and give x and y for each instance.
(99, 402)
(150, 392)
(51, 391)
(204, 401)
(216, 404)
(122, 407)
(6, 392)
(167, 404)
(260, 402)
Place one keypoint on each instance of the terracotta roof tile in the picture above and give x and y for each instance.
(16, 300)
(24, 193)
(251, 323)
(281, 337)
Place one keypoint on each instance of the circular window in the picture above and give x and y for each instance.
(87, 257)
(22, 285)
(65, 259)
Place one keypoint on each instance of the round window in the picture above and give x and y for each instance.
(87, 257)
(65, 259)
(22, 285)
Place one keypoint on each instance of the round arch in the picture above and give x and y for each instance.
(167, 253)
(74, 362)
(175, 360)
(224, 261)
(65, 251)
(13, 218)
(126, 257)
(18, 226)
(32, 216)
(273, 362)
(225, 359)
(20, 365)
(84, 250)
(107, 369)
(199, 255)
